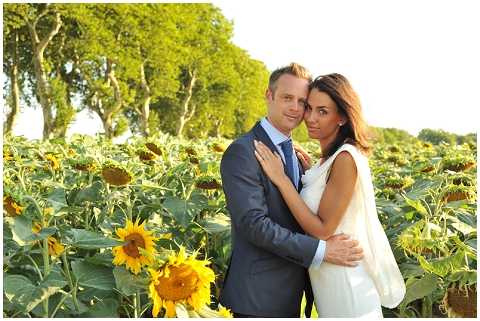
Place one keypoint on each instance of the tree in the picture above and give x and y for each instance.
(154, 32)
(41, 22)
(107, 60)
(204, 33)
(15, 55)
(437, 136)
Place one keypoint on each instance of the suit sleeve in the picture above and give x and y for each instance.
(246, 202)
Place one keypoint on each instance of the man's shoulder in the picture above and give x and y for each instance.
(243, 141)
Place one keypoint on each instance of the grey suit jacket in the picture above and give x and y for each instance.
(267, 273)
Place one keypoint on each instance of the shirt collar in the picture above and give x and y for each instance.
(275, 135)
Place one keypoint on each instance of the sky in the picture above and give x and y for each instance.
(414, 64)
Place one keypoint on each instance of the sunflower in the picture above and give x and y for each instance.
(207, 182)
(183, 280)
(12, 208)
(146, 154)
(154, 148)
(7, 155)
(460, 302)
(55, 248)
(86, 164)
(54, 163)
(130, 254)
(224, 312)
(116, 174)
(218, 147)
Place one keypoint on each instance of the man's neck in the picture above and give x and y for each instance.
(289, 134)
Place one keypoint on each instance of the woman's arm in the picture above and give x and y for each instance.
(335, 198)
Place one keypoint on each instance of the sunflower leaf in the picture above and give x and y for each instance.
(89, 240)
(103, 309)
(21, 228)
(217, 224)
(128, 283)
(419, 288)
(93, 276)
(57, 199)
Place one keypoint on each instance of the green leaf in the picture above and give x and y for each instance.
(104, 258)
(89, 240)
(90, 193)
(127, 282)
(21, 227)
(106, 308)
(465, 229)
(57, 199)
(21, 291)
(185, 210)
(217, 224)
(43, 234)
(94, 276)
(18, 289)
(419, 288)
(416, 204)
(411, 270)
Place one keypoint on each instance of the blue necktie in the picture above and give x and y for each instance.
(287, 149)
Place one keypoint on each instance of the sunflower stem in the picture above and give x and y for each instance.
(138, 305)
(46, 270)
(35, 265)
(87, 218)
(65, 296)
(73, 288)
(129, 210)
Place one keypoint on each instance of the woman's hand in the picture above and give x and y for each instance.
(303, 156)
(271, 163)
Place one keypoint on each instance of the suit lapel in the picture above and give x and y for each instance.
(262, 136)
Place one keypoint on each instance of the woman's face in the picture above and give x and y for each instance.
(322, 117)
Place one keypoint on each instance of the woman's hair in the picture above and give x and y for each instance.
(355, 130)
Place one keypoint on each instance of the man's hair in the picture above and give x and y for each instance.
(293, 69)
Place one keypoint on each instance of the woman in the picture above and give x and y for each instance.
(337, 196)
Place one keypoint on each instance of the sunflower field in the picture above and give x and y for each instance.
(140, 229)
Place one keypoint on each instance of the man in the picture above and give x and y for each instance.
(268, 274)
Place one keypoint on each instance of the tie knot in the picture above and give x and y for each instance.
(287, 147)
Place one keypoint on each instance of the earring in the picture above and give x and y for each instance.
(340, 124)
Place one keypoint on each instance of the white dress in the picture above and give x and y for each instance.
(354, 291)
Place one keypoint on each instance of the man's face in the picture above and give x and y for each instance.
(286, 104)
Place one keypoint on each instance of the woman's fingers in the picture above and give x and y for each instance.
(258, 156)
(302, 159)
(263, 150)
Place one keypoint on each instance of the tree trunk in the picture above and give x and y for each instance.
(110, 111)
(108, 126)
(43, 90)
(15, 92)
(145, 108)
(188, 111)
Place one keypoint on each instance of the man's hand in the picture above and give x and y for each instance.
(341, 250)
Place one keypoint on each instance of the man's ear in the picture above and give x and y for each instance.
(268, 94)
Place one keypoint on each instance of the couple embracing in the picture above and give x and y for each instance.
(306, 228)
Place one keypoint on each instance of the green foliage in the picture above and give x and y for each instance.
(391, 135)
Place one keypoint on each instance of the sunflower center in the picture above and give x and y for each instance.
(135, 241)
(180, 284)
